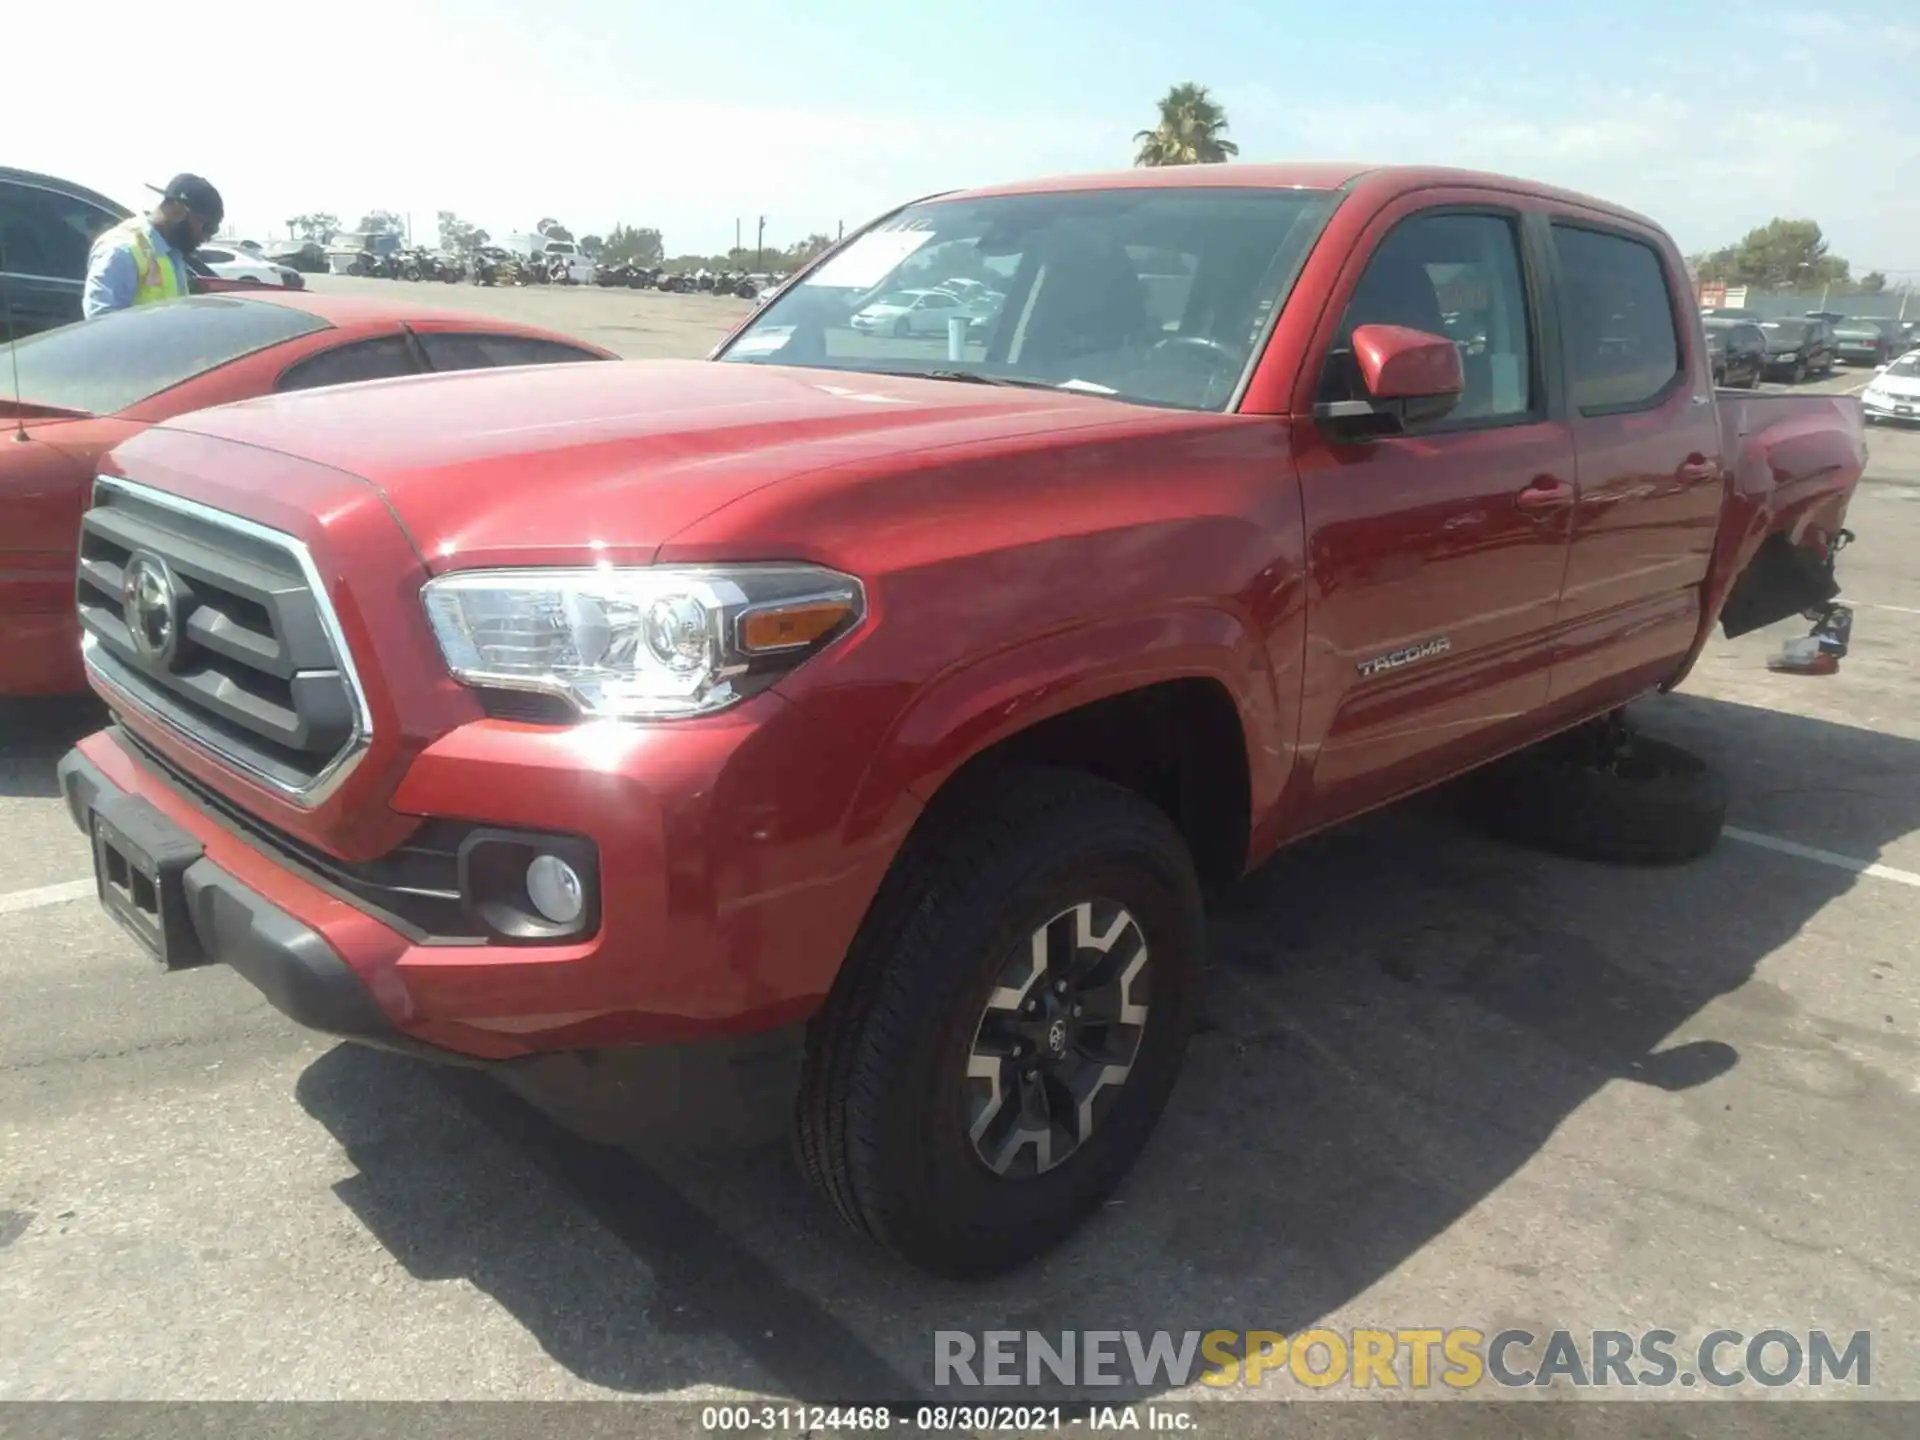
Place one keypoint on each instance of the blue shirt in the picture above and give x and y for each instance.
(113, 274)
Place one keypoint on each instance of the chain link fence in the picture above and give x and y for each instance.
(1782, 304)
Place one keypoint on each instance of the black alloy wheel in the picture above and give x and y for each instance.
(1057, 1038)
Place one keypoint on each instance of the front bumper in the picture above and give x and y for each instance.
(290, 963)
(728, 1090)
(1903, 408)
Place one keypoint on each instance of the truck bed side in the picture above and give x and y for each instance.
(1792, 463)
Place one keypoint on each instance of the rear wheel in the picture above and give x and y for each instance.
(1009, 1024)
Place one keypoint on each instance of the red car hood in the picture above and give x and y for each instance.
(604, 463)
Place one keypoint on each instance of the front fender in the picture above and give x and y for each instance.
(986, 699)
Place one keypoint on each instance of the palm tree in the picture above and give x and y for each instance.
(1192, 131)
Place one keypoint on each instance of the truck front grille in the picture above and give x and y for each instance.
(220, 630)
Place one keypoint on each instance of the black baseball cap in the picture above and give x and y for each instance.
(196, 194)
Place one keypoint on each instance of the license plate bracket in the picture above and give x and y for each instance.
(140, 860)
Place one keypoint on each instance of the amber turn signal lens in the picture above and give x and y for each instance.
(785, 626)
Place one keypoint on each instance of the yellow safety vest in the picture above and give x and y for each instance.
(155, 276)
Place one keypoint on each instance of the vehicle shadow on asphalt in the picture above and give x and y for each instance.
(1400, 1015)
(35, 733)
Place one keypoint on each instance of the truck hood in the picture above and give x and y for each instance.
(568, 464)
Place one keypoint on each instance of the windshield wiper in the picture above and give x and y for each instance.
(976, 377)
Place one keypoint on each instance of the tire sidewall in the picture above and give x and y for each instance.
(927, 1114)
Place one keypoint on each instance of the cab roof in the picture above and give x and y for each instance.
(1299, 175)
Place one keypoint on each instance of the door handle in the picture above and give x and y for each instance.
(1545, 492)
(1697, 468)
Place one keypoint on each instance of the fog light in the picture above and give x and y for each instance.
(555, 890)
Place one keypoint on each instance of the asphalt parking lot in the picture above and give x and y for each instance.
(1441, 1082)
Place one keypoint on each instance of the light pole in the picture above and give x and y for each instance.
(760, 248)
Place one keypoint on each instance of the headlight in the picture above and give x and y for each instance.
(639, 643)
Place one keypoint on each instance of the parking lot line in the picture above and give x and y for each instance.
(1897, 609)
(1824, 857)
(45, 895)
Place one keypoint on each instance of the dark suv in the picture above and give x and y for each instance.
(1798, 348)
(1738, 350)
(47, 230)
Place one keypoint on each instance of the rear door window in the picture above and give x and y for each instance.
(46, 234)
(1624, 347)
(466, 350)
(380, 359)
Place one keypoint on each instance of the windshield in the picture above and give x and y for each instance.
(1152, 295)
(1907, 367)
(103, 365)
(1786, 329)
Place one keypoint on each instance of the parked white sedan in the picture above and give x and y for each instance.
(909, 312)
(238, 264)
(1894, 391)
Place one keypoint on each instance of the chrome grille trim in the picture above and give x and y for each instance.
(329, 777)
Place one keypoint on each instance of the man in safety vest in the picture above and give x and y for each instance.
(144, 259)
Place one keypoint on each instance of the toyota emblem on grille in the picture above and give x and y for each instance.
(151, 603)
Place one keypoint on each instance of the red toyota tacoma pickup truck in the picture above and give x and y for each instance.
(856, 715)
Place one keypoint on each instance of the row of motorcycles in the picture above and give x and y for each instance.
(415, 264)
(641, 277)
(491, 265)
(494, 266)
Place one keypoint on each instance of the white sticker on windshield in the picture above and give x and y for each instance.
(869, 259)
(763, 342)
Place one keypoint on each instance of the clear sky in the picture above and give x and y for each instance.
(1711, 118)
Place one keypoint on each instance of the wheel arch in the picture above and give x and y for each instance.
(1178, 708)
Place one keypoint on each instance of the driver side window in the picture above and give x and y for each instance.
(1458, 276)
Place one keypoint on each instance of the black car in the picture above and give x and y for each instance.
(1798, 348)
(1865, 341)
(1738, 350)
(47, 230)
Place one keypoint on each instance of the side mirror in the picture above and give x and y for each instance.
(1410, 377)
(1880, 369)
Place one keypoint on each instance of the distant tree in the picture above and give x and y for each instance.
(457, 234)
(593, 246)
(636, 245)
(798, 254)
(553, 230)
(315, 225)
(382, 222)
(1779, 254)
(1192, 131)
(1872, 283)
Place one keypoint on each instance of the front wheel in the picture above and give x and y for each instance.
(1009, 1023)
(1799, 372)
